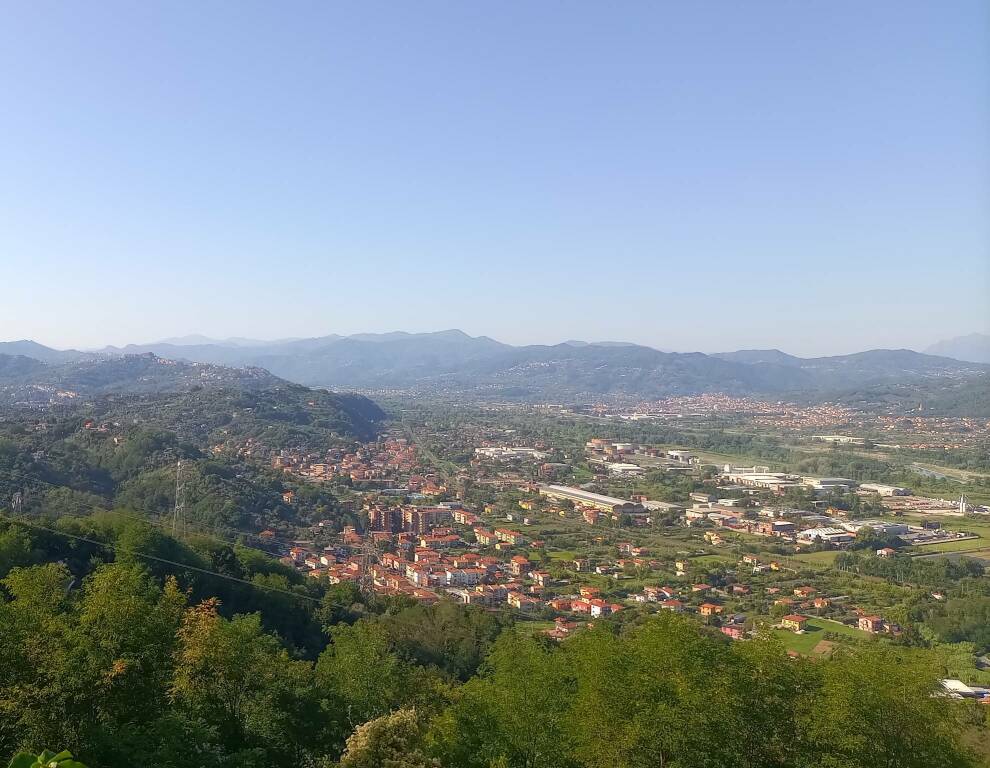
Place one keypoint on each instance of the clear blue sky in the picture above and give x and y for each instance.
(813, 176)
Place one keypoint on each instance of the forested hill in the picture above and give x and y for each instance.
(28, 380)
(125, 456)
(178, 394)
(94, 447)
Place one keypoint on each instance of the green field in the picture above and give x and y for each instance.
(817, 558)
(805, 643)
(560, 554)
(951, 472)
(979, 528)
(963, 545)
(714, 560)
(532, 626)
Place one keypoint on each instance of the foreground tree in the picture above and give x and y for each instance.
(881, 707)
(513, 712)
(46, 760)
(391, 741)
(241, 682)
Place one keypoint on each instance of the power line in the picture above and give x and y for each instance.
(205, 571)
(116, 549)
(262, 587)
(163, 522)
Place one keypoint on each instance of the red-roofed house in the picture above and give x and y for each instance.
(795, 622)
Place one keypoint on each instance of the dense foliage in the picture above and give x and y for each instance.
(123, 454)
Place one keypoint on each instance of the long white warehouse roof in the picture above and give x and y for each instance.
(577, 493)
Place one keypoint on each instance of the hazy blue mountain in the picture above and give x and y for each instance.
(37, 351)
(198, 340)
(873, 365)
(974, 348)
(751, 356)
(193, 339)
(579, 343)
(453, 362)
(884, 361)
(16, 368)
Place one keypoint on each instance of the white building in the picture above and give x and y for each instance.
(885, 490)
(881, 527)
(829, 535)
(771, 481)
(500, 453)
(605, 503)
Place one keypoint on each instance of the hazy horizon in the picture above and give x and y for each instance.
(192, 338)
(813, 178)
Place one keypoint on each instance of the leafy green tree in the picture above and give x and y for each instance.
(341, 603)
(881, 707)
(448, 636)
(362, 672)
(123, 641)
(513, 711)
(36, 673)
(238, 680)
(46, 760)
(15, 549)
(391, 741)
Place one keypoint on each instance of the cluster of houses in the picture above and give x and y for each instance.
(390, 461)
(431, 550)
(426, 553)
(419, 551)
(422, 568)
(875, 625)
(797, 604)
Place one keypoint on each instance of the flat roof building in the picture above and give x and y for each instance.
(597, 500)
(885, 490)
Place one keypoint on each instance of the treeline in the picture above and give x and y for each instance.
(904, 569)
(245, 580)
(135, 662)
(955, 607)
(958, 619)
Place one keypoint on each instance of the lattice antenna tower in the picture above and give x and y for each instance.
(369, 554)
(179, 513)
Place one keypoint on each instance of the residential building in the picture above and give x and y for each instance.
(794, 622)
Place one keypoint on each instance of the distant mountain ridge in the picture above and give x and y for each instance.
(453, 362)
(37, 351)
(974, 348)
(751, 356)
